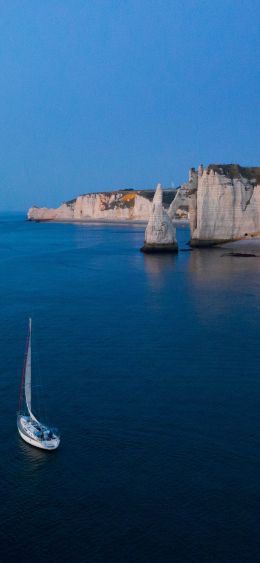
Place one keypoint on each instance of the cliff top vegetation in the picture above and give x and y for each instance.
(235, 171)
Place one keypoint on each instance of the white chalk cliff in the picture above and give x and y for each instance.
(224, 203)
(160, 233)
(121, 205)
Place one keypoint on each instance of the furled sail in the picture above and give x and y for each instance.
(28, 373)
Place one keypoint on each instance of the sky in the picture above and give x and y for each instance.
(98, 95)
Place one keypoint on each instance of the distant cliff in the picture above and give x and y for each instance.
(224, 203)
(121, 205)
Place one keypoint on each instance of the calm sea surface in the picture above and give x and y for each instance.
(149, 366)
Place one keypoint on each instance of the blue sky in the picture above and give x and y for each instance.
(106, 94)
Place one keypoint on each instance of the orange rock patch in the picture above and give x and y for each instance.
(129, 197)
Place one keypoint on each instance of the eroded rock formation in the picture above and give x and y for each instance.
(160, 234)
(121, 205)
(224, 203)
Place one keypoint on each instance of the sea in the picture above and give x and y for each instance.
(149, 367)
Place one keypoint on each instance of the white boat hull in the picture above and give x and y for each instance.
(37, 444)
(25, 429)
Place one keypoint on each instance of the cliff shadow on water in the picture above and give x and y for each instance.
(158, 267)
(161, 267)
(219, 265)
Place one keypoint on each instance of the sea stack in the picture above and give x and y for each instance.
(160, 234)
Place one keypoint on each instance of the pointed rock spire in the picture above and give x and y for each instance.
(158, 195)
(160, 232)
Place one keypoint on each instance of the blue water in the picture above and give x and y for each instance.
(150, 369)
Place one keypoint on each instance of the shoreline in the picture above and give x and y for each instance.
(104, 221)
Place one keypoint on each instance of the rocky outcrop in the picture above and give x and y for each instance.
(121, 205)
(179, 208)
(160, 235)
(224, 204)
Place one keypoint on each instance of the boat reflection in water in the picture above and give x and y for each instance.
(35, 457)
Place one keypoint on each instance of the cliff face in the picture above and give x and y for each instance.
(111, 206)
(224, 204)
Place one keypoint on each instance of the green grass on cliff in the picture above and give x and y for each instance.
(235, 171)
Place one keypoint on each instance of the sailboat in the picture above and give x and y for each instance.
(30, 429)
